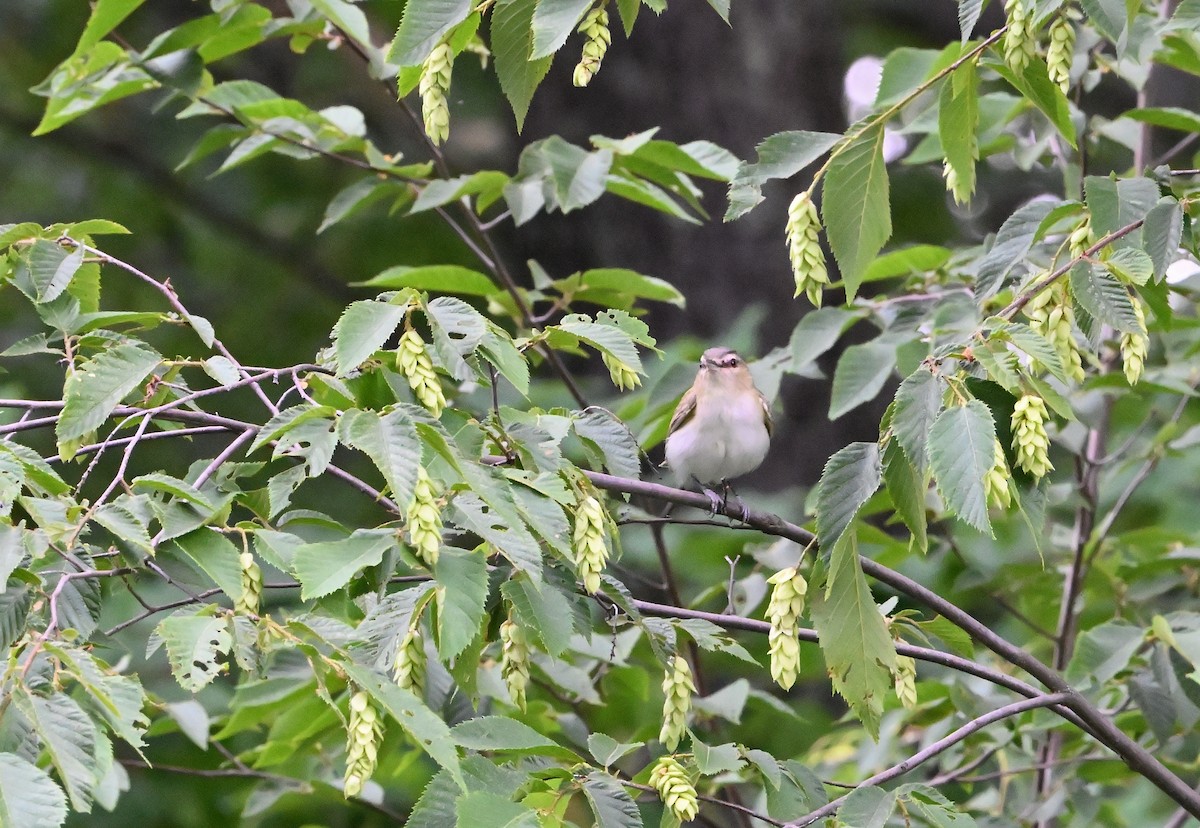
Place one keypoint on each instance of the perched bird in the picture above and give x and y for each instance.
(722, 426)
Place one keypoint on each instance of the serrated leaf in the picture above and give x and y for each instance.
(544, 611)
(1013, 240)
(499, 733)
(424, 726)
(215, 555)
(28, 796)
(15, 602)
(918, 400)
(906, 486)
(1035, 85)
(362, 330)
(194, 643)
(1161, 234)
(620, 451)
(513, 540)
(859, 652)
(606, 750)
(51, 268)
(816, 333)
(119, 699)
(962, 445)
(856, 207)
(98, 386)
(322, 568)
(968, 16)
(457, 330)
(1115, 204)
(1108, 16)
(553, 22)
(850, 478)
(289, 419)
(860, 374)
(782, 155)
(423, 25)
(611, 804)
(513, 47)
(462, 590)
(1103, 296)
(714, 759)
(867, 807)
(481, 809)
(958, 122)
(391, 441)
(435, 807)
(67, 735)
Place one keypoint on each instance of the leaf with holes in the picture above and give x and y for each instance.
(194, 645)
(96, 387)
(391, 441)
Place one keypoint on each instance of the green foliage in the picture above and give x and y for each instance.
(455, 375)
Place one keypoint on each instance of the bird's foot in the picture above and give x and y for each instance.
(727, 492)
(715, 501)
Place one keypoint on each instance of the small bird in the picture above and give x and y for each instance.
(722, 427)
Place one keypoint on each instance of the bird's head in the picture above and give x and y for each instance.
(723, 367)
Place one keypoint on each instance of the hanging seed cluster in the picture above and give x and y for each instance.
(783, 614)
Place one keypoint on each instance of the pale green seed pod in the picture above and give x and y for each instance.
(905, 676)
(595, 28)
(514, 661)
(677, 688)
(1081, 238)
(1050, 314)
(434, 87)
(624, 377)
(995, 482)
(425, 520)
(961, 189)
(413, 360)
(1030, 442)
(252, 584)
(409, 669)
(590, 542)
(363, 736)
(783, 613)
(1060, 51)
(675, 788)
(1020, 45)
(803, 232)
(1135, 347)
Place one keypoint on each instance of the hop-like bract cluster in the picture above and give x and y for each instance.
(961, 188)
(414, 362)
(434, 86)
(363, 736)
(514, 660)
(249, 601)
(905, 676)
(1030, 442)
(678, 688)
(783, 614)
(675, 788)
(425, 520)
(995, 482)
(624, 377)
(804, 248)
(590, 542)
(1081, 239)
(409, 670)
(1135, 346)
(1020, 45)
(595, 28)
(1050, 314)
(1060, 51)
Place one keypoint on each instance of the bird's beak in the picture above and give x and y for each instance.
(704, 363)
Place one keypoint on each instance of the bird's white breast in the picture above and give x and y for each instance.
(725, 438)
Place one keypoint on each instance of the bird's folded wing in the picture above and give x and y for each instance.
(683, 412)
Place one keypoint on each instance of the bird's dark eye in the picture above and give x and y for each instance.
(732, 362)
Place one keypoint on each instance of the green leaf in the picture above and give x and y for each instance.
(94, 389)
(215, 555)
(780, 156)
(1117, 204)
(28, 796)
(480, 809)
(850, 478)
(575, 176)
(425, 22)
(856, 207)
(1012, 242)
(867, 807)
(51, 268)
(67, 735)
(1102, 652)
(289, 419)
(817, 332)
(908, 261)
(119, 699)
(714, 759)
(194, 643)
(512, 45)
(1108, 16)
(1161, 234)
(543, 610)
(859, 651)
(362, 330)
(353, 198)
(487, 184)
(436, 278)
(1034, 83)
(499, 733)
(513, 540)
(457, 330)
(553, 22)
(619, 450)
(968, 16)
(1103, 296)
(906, 486)
(962, 446)
(498, 349)
(620, 280)
(462, 592)
(611, 804)
(425, 727)
(861, 372)
(1170, 117)
(958, 121)
(391, 441)
(322, 568)
(15, 602)
(106, 15)
(918, 400)
(606, 750)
